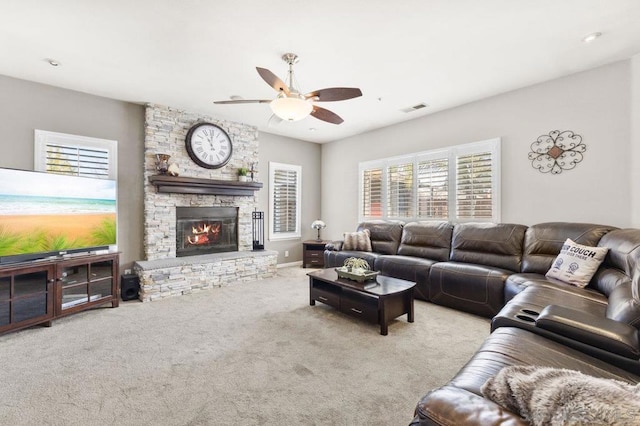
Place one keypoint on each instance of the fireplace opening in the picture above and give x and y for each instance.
(204, 230)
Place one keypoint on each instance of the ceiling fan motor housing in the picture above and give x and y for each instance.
(291, 105)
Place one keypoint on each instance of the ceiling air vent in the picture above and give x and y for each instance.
(415, 107)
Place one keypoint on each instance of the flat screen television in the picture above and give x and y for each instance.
(46, 214)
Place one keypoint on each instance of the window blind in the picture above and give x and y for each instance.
(474, 176)
(433, 189)
(285, 200)
(77, 160)
(458, 183)
(372, 193)
(400, 191)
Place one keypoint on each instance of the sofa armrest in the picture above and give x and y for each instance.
(450, 406)
(600, 332)
(334, 246)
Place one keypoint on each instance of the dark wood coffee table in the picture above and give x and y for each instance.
(377, 301)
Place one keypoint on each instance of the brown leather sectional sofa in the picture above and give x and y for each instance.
(498, 271)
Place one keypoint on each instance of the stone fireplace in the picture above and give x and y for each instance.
(204, 230)
(187, 250)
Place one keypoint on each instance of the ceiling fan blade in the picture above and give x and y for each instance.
(334, 94)
(273, 80)
(243, 101)
(326, 115)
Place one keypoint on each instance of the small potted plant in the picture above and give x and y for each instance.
(242, 174)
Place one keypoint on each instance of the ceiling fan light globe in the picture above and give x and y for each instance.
(291, 108)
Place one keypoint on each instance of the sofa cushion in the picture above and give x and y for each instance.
(408, 268)
(429, 240)
(337, 258)
(542, 242)
(472, 288)
(576, 263)
(385, 235)
(359, 241)
(622, 262)
(489, 244)
(516, 283)
(623, 306)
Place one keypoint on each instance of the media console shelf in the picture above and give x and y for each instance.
(38, 292)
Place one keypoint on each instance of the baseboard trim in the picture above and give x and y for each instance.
(286, 265)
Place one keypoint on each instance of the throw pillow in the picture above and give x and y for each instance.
(576, 263)
(552, 396)
(360, 241)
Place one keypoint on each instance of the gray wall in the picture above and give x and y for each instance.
(291, 151)
(595, 104)
(634, 157)
(26, 106)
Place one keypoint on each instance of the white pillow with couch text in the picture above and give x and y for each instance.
(576, 263)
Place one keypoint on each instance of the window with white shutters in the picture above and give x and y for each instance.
(474, 186)
(460, 183)
(400, 191)
(78, 161)
(75, 155)
(284, 201)
(433, 189)
(372, 193)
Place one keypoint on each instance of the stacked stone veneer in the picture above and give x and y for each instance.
(165, 132)
(185, 275)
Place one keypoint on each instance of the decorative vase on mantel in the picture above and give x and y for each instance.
(162, 163)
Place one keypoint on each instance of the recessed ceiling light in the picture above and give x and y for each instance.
(312, 129)
(53, 62)
(236, 98)
(590, 37)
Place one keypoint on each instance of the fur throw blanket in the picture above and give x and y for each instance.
(551, 396)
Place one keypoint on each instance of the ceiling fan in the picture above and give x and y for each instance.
(290, 104)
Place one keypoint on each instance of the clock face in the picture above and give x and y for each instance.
(208, 145)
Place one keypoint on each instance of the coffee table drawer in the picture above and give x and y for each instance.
(357, 305)
(326, 297)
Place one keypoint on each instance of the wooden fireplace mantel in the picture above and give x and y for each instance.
(188, 185)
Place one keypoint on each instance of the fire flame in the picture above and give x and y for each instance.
(200, 229)
(201, 234)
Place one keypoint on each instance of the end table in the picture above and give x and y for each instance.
(313, 253)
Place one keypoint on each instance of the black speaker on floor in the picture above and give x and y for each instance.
(129, 287)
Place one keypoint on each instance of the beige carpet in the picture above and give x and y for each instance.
(252, 353)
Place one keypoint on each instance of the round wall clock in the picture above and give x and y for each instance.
(208, 145)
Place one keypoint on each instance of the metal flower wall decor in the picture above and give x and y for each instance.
(557, 151)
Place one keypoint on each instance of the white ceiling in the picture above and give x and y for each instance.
(188, 53)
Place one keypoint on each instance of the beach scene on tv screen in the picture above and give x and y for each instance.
(42, 212)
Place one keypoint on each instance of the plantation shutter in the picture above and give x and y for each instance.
(77, 160)
(474, 176)
(433, 189)
(400, 191)
(372, 193)
(285, 198)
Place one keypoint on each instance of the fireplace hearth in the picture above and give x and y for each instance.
(204, 230)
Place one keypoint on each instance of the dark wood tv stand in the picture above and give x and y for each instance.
(37, 292)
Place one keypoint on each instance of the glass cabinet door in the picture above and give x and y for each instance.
(82, 283)
(101, 279)
(25, 296)
(74, 282)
